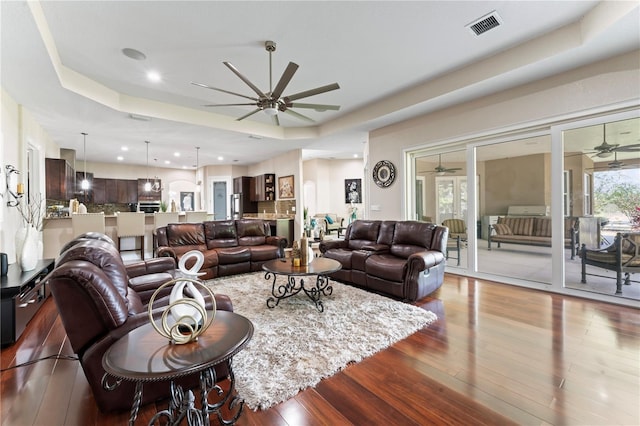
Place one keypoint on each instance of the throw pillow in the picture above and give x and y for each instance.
(502, 229)
(329, 220)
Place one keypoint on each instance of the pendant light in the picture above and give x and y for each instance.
(147, 185)
(85, 183)
(197, 164)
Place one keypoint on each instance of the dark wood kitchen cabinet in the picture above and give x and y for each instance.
(243, 185)
(60, 179)
(82, 195)
(264, 188)
(99, 190)
(127, 191)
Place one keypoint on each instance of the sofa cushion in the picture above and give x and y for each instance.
(386, 266)
(385, 235)
(541, 227)
(341, 255)
(220, 233)
(329, 219)
(186, 234)
(230, 255)
(411, 237)
(518, 225)
(263, 253)
(250, 232)
(363, 232)
(502, 229)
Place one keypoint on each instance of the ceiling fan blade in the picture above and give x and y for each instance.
(287, 75)
(248, 115)
(226, 105)
(312, 92)
(317, 107)
(223, 91)
(275, 120)
(629, 148)
(298, 115)
(245, 79)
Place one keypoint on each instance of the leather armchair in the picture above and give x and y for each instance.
(97, 305)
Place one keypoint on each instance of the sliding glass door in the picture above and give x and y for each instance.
(604, 159)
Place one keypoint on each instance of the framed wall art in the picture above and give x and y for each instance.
(353, 191)
(285, 187)
(186, 201)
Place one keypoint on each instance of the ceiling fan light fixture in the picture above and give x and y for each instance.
(271, 110)
(604, 154)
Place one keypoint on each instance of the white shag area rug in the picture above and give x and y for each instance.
(294, 346)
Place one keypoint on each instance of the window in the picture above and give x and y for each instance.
(588, 205)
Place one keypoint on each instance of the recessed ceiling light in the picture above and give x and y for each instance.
(134, 54)
(220, 158)
(124, 148)
(120, 158)
(355, 155)
(154, 76)
(176, 154)
(167, 162)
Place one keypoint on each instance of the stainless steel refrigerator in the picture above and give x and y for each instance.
(236, 206)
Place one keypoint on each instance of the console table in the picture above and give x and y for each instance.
(22, 293)
(144, 356)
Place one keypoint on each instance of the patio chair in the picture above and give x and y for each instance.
(457, 228)
(623, 256)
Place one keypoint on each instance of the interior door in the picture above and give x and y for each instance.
(220, 200)
(451, 197)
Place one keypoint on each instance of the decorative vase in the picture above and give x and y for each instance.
(28, 257)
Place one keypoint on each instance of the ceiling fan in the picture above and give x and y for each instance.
(272, 101)
(612, 165)
(606, 149)
(441, 170)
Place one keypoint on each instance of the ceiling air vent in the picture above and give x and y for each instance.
(486, 23)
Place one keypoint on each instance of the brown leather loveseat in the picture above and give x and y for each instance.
(404, 259)
(229, 246)
(98, 304)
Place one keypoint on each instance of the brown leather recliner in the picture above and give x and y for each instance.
(97, 305)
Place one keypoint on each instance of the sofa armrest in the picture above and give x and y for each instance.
(425, 260)
(376, 248)
(326, 245)
(151, 266)
(167, 252)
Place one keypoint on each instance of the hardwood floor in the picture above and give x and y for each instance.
(497, 355)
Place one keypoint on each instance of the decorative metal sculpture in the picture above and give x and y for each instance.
(189, 317)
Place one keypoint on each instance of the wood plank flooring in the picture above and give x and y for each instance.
(497, 355)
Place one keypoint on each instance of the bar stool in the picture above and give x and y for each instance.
(131, 224)
(87, 222)
(161, 219)
(196, 217)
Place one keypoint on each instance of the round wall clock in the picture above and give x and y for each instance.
(384, 173)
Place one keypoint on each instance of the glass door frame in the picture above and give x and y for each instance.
(553, 126)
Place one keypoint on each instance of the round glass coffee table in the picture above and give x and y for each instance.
(144, 356)
(321, 267)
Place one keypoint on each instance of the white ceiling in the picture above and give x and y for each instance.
(393, 60)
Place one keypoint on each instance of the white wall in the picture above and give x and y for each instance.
(19, 131)
(326, 178)
(609, 82)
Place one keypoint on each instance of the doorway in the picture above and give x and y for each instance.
(451, 198)
(219, 200)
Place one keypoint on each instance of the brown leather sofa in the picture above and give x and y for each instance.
(403, 259)
(229, 246)
(98, 304)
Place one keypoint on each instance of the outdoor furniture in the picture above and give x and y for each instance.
(623, 256)
(457, 228)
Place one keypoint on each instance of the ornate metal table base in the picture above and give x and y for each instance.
(182, 404)
(291, 288)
